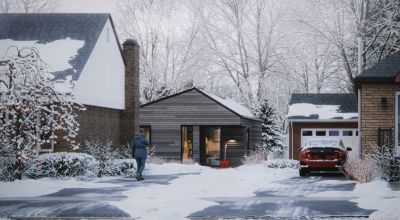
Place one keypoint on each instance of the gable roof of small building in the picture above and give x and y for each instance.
(231, 105)
(383, 72)
(327, 106)
(73, 31)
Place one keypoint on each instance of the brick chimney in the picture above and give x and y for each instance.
(129, 122)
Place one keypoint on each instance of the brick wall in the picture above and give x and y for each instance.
(374, 115)
(111, 124)
(95, 123)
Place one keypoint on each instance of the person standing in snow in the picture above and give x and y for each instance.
(139, 152)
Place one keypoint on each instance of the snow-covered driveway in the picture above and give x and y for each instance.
(176, 191)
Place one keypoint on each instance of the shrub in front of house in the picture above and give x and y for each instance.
(361, 170)
(283, 163)
(120, 167)
(60, 165)
(7, 167)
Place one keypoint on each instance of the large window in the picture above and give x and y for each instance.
(187, 142)
(212, 145)
(147, 133)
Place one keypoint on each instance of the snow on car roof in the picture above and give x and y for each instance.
(323, 143)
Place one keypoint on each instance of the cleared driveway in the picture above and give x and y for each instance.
(293, 197)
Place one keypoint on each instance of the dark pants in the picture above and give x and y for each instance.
(140, 162)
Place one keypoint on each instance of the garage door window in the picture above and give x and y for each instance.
(320, 133)
(333, 133)
(347, 133)
(307, 133)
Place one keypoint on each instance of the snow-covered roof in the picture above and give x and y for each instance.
(323, 106)
(232, 105)
(65, 41)
(228, 103)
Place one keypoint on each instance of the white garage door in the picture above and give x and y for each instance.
(348, 136)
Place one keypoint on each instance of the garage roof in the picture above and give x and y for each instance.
(332, 106)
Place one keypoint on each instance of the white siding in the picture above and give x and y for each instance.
(102, 81)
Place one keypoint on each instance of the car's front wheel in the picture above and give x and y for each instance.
(303, 172)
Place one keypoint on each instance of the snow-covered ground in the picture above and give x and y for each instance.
(44, 186)
(187, 194)
(194, 188)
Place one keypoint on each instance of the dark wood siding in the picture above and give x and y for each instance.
(255, 131)
(191, 108)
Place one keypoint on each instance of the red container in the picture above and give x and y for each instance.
(224, 164)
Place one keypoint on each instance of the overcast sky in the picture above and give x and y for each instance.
(81, 6)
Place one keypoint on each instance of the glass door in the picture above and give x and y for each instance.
(187, 143)
(212, 145)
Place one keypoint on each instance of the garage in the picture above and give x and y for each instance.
(349, 136)
(323, 116)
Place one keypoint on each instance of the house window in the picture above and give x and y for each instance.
(187, 142)
(147, 133)
(320, 133)
(307, 133)
(333, 133)
(347, 133)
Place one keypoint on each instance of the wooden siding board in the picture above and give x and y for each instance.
(194, 108)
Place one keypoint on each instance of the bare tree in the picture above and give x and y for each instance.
(167, 34)
(243, 38)
(341, 23)
(28, 6)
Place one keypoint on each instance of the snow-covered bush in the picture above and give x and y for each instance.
(120, 167)
(7, 165)
(162, 160)
(283, 163)
(256, 156)
(60, 165)
(276, 153)
(31, 110)
(361, 170)
(124, 151)
(385, 161)
(103, 152)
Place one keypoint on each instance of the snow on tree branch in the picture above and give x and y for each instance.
(32, 112)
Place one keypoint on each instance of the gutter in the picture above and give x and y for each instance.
(322, 120)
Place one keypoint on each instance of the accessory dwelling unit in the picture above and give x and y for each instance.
(196, 125)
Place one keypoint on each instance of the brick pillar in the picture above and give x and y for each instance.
(130, 116)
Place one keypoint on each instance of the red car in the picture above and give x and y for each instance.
(322, 155)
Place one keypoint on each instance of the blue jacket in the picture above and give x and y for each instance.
(139, 144)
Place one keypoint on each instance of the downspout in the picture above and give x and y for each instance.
(291, 137)
(359, 122)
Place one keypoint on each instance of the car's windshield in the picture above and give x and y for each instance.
(323, 143)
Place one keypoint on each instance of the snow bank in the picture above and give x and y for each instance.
(43, 186)
(323, 111)
(184, 195)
